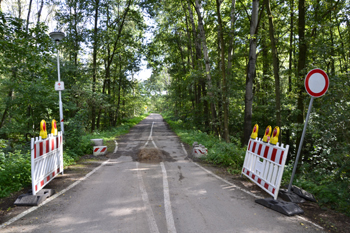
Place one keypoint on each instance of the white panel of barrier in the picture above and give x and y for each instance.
(46, 160)
(264, 165)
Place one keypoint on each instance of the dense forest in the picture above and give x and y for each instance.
(218, 66)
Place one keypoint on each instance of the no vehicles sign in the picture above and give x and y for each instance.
(316, 83)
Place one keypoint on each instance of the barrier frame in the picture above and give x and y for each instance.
(46, 160)
(264, 164)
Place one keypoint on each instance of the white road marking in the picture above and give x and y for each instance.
(116, 147)
(149, 137)
(12, 220)
(167, 204)
(150, 216)
(236, 187)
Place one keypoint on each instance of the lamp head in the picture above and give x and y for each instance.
(57, 36)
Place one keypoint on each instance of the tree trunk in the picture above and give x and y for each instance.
(40, 10)
(231, 43)
(207, 63)
(29, 10)
(250, 74)
(290, 68)
(94, 66)
(224, 82)
(275, 63)
(301, 68)
(19, 8)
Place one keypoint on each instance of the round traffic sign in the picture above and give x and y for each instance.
(316, 83)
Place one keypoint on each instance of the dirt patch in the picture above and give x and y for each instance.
(153, 155)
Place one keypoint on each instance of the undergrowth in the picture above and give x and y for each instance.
(228, 155)
(15, 167)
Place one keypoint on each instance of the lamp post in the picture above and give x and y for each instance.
(57, 37)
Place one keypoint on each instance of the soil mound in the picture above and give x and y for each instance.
(150, 155)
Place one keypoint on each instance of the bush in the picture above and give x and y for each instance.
(14, 172)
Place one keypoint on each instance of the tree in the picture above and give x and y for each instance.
(250, 73)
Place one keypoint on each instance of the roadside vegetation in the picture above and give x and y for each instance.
(330, 190)
(228, 155)
(15, 168)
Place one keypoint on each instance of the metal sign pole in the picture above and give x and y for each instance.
(300, 144)
(59, 92)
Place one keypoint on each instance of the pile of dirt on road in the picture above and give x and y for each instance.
(150, 155)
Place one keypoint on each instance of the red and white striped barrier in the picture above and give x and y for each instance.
(46, 160)
(100, 150)
(264, 165)
(199, 150)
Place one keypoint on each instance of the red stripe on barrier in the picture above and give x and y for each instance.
(36, 187)
(259, 150)
(243, 170)
(42, 183)
(61, 139)
(273, 191)
(267, 148)
(103, 150)
(259, 180)
(47, 145)
(273, 156)
(58, 170)
(34, 150)
(253, 176)
(41, 149)
(249, 144)
(96, 150)
(254, 145)
(57, 144)
(48, 178)
(266, 186)
(53, 174)
(52, 144)
(248, 173)
(280, 162)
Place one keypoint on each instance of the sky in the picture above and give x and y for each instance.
(146, 73)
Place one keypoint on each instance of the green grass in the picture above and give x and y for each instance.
(228, 155)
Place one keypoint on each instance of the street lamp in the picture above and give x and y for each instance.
(57, 37)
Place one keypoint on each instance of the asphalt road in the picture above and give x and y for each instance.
(172, 196)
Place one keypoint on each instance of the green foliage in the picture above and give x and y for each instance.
(14, 172)
(219, 152)
(330, 190)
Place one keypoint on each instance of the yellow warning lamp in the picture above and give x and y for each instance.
(276, 132)
(43, 132)
(255, 131)
(267, 134)
(54, 127)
